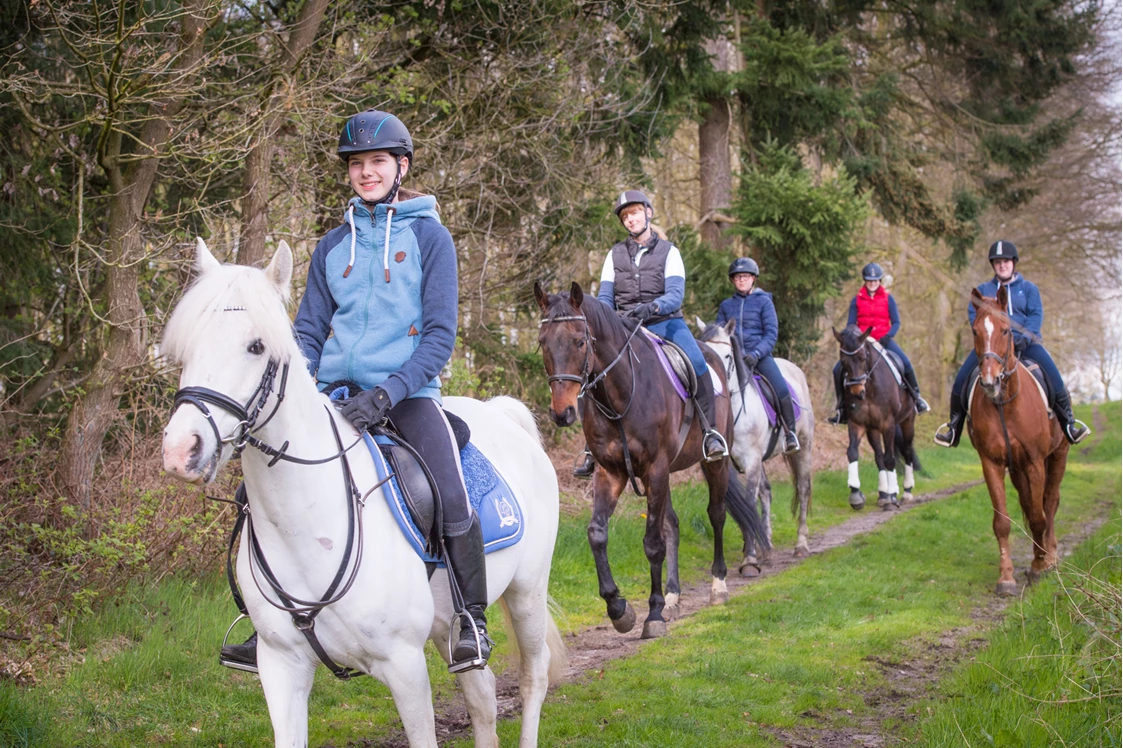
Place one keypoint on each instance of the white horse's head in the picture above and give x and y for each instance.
(230, 328)
(720, 338)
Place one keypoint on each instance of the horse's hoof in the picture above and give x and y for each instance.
(857, 499)
(626, 622)
(802, 551)
(1033, 576)
(885, 501)
(719, 597)
(654, 629)
(1006, 589)
(906, 497)
(749, 567)
(671, 605)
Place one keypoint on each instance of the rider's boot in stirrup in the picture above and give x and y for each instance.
(948, 434)
(787, 421)
(839, 416)
(914, 388)
(1075, 430)
(584, 465)
(713, 444)
(240, 656)
(472, 648)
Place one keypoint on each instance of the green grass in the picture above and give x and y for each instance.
(791, 651)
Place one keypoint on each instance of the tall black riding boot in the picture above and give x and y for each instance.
(466, 562)
(914, 387)
(787, 420)
(839, 416)
(584, 465)
(948, 434)
(1075, 430)
(713, 444)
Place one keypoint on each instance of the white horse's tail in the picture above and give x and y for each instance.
(559, 655)
(519, 413)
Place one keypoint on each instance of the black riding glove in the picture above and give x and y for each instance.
(368, 408)
(1020, 345)
(644, 312)
(885, 340)
(751, 360)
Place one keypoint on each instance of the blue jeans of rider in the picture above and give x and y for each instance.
(1035, 352)
(676, 331)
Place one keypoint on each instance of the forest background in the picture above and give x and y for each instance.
(812, 136)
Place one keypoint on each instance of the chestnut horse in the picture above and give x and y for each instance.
(1016, 434)
(637, 428)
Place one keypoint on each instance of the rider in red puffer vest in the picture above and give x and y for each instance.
(874, 307)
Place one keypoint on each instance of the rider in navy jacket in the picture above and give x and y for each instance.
(875, 307)
(757, 330)
(380, 311)
(1026, 314)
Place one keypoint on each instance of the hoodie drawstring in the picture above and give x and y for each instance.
(351, 220)
(386, 247)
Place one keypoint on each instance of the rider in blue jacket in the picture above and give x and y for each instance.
(1027, 314)
(758, 328)
(643, 278)
(380, 310)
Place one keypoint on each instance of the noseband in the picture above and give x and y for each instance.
(246, 414)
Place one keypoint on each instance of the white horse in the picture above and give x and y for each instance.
(752, 433)
(229, 328)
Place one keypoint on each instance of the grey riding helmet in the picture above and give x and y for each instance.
(1002, 250)
(744, 265)
(631, 197)
(872, 272)
(374, 130)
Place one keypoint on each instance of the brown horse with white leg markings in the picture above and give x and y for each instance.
(1011, 429)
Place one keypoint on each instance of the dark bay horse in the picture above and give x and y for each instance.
(637, 428)
(1011, 429)
(882, 410)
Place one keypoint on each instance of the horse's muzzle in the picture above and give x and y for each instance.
(566, 418)
(858, 391)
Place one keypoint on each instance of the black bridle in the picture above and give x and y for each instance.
(847, 381)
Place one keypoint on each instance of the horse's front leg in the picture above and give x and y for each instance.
(658, 486)
(889, 440)
(765, 496)
(994, 473)
(718, 475)
(800, 464)
(1054, 472)
(606, 491)
(857, 498)
(876, 440)
(286, 679)
(670, 535)
(1030, 485)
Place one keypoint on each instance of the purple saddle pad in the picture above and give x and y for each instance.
(796, 408)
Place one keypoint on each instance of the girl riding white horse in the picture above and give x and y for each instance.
(323, 531)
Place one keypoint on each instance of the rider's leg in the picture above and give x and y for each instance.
(839, 415)
(240, 656)
(909, 375)
(1062, 404)
(584, 465)
(713, 444)
(770, 371)
(948, 434)
(422, 423)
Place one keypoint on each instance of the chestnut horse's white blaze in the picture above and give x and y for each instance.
(230, 324)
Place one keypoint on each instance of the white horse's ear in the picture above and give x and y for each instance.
(204, 260)
(699, 323)
(279, 271)
(730, 326)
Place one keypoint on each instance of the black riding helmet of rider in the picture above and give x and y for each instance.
(634, 197)
(872, 272)
(1002, 250)
(744, 265)
(374, 130)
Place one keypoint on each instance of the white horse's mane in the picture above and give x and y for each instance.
(226, 290)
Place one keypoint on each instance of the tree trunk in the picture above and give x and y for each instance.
(715, 171)
(130, 186)
(257, 179)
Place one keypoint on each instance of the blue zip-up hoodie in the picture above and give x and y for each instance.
(388, 300)
(756, 321)
(1024, 306)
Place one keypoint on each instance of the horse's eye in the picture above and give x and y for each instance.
(256, 347)
(581, 343)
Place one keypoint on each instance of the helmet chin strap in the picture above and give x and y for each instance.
(646, 226)
(389, 197)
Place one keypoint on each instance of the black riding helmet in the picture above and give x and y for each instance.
(374, 130)
(1002, 250)
(872, 272)
(744, 265)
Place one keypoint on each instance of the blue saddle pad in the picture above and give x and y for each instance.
(501, 517)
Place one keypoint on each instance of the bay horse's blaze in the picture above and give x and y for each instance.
(636, 427)
(1015, 433)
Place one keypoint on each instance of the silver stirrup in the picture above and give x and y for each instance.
(724, 446)
(234, 664)
(476, 663)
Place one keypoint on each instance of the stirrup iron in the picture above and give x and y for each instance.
(721, 439)
(479, 661)
(230, 663)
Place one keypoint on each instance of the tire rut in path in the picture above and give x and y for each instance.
(589, 650)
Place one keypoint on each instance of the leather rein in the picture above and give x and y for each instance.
(303, 612)
(1004, 377)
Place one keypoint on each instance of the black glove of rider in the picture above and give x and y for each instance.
(885, 339)
(644, 312)
(751, 360)
(368, 408)
(1020, 345)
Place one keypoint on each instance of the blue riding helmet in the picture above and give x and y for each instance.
(872, 272)
(744, 265)
(1002, 250)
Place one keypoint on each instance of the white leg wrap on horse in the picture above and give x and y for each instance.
(852, 476)
(908, 478)
(883, 481)
(893, 488)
